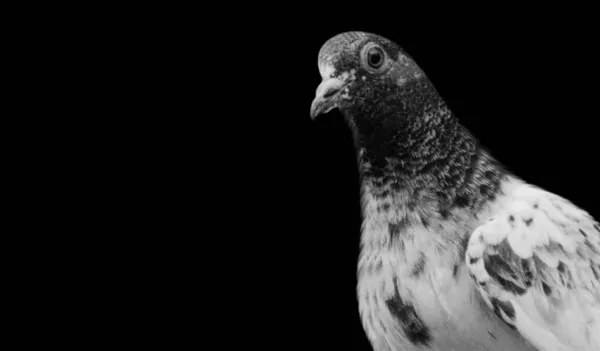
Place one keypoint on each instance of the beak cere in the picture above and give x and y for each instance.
(327, 96)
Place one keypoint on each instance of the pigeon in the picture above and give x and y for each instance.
(456, 251)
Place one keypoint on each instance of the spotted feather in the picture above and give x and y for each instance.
(536, 264)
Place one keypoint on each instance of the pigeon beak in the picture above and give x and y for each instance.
(327, 96)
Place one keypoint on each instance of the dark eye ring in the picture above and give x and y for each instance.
(375, 57)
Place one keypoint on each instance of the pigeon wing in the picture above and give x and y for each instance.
(536, 263)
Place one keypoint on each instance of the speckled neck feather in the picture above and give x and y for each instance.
(414, 143)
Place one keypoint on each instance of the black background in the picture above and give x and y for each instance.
(252, 202)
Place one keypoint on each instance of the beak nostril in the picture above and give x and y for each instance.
(330, 93)
(326, 97)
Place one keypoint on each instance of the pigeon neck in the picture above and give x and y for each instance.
(423, 153)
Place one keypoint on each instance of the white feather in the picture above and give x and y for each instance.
(562, 241)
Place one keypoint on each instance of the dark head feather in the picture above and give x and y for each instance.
(406, 134)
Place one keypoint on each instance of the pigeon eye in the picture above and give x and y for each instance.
(375, 57)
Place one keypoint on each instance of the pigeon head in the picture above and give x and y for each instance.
(360, 69)
(403, 129)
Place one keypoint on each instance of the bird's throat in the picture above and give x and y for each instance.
(421, 151)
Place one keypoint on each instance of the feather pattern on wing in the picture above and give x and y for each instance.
(537, 265)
